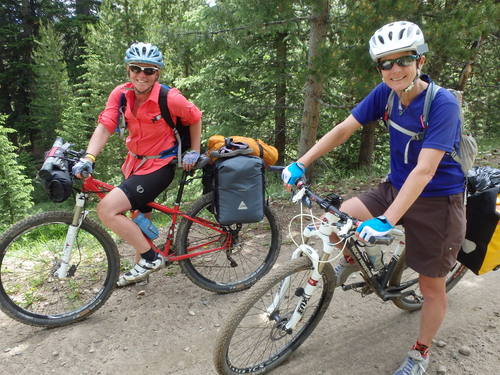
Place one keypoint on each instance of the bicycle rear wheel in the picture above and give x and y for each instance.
(247, 251)
(403, 275)
(255, 341)
(30, 253)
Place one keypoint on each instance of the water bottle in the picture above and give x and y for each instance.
(147, 227)
(375, 256)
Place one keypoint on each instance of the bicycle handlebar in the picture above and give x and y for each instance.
(61, 153)
(326, 205)
(276, 168)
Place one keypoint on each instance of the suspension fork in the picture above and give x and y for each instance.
(79, 214)
(310, 288)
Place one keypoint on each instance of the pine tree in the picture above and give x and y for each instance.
(15, 187)
(51, 90)
(120, 23)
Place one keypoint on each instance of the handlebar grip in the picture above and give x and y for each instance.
(203, 160)
(381, 240)
(276, 168)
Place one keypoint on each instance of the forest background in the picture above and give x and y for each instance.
(284, 71)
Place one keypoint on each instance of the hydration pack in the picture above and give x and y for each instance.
(467, 150)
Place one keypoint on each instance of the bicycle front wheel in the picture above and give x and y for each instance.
(253, 339)
(403, 275)
(30, 253)
(246, 252)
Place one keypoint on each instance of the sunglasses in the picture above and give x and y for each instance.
(401, 61)
(147, 70)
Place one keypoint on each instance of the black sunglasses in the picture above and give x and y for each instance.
(147, 70)
(401, 61)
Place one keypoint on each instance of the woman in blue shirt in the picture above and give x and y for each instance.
(425, 186)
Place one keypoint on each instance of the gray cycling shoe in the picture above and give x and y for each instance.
(343, 269)
(140, 271)
(414, 364)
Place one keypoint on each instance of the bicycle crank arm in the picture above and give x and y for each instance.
(386, 296)
(360, 284)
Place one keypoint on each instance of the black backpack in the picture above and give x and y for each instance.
(181, 132)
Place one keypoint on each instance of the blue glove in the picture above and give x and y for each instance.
(191, 157)
(378, 226)
(292, 173)
(83, 167)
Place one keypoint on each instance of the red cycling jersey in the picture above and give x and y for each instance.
(148, 132)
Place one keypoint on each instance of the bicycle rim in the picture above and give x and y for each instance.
(254, 341)
(252, 251)
(403, 275)
(30, 253)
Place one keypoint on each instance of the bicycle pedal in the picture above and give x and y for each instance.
(353, 286)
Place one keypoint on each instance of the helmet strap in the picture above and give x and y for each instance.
(412, 84)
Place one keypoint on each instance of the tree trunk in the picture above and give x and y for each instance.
(367, 147)
(82, 7)
(467, 69)
(280, 101)
(23, 94)
(314, 85)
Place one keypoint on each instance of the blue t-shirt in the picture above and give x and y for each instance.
(443, 133)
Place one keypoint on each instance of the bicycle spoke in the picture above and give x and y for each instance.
(247, 250)
(31, 258)
(259, 338)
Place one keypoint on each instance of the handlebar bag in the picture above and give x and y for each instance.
(239, 190)
(481, 249)
(59, 186)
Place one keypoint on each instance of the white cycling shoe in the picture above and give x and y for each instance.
(414, 364)
(140, 271)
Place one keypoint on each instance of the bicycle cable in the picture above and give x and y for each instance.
(314, 219)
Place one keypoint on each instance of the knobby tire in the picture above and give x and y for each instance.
(255, 249)
(402, 274)
(236, 349)
(30, 252)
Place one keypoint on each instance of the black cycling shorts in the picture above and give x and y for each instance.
(143, 189)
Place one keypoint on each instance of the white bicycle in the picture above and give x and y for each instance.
(282, 309)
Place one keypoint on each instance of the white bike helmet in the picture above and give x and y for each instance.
(397, 37)
(144, 53)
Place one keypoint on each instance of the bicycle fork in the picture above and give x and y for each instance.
(310, 288)
(79, 215)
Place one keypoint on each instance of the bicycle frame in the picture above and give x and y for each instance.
(100, 188)
(333, 221)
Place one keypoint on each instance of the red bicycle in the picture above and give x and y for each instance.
(59, 267)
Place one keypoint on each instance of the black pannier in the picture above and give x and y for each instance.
(481, 249)
(239, 190)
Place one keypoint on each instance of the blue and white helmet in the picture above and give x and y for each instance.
(397, 37)
(144, 53)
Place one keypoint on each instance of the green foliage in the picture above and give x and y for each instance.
(120, 24)
(225, 59)
(15, 187)
(50, 89)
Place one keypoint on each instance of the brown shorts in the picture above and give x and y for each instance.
(434, 228)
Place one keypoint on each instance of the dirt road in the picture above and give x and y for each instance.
(171, 329)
